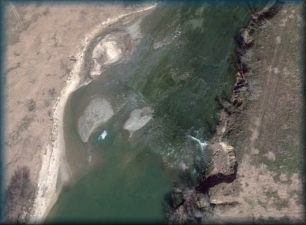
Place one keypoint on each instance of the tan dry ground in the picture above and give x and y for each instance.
(266, 133)
(40, 41)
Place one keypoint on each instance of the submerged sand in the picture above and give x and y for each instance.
(55, 170)
(97, 112)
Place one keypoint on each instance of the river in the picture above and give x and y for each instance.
(172, 69)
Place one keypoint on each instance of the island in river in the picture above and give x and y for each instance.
(158, 87)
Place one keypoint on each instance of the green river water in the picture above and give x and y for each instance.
(183, 81)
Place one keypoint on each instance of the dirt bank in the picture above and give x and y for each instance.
(41, 41)
(256, 172)
(263, 123)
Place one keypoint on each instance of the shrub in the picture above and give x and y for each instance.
(20, 196)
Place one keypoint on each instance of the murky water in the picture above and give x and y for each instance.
(128, 185)
(182, 68)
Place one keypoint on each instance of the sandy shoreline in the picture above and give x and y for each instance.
(53, 158)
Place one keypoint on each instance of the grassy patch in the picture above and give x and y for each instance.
(271, 194)
(262, 204)
(273, 220)
(288, 161)
(249, 201)
(282, 203)
(279, 203)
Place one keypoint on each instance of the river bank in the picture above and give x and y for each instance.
(244, 182)
(243, 131)
(266, 132)
(39, 40)
(178, 87)
(54, 172)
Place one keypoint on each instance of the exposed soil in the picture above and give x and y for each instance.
(265, 129)
(40, 42)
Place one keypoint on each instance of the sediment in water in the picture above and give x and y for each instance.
(54, 172)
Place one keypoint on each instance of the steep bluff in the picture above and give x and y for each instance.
(194, 203)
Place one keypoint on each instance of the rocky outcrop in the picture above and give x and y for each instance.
(244, 40)
(203, 202)
(177, 199)
(195, 208)
(224, 160)
(215, 202)
(198, 206)
(223, 167)
(224, 164)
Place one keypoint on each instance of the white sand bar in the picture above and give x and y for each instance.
(97, 112)
(53, 158)
(138, 118)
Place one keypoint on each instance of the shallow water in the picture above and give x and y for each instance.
(129, 185)
(182, 69)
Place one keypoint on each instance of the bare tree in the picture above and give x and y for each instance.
(20, 196)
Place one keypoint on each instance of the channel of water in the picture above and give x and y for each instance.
(181, 68)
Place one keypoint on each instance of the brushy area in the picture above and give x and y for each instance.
(20, 196)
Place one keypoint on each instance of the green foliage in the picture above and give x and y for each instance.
(287, 162)
(273, 220)
(249, 201)
(262, 204)
(279, 203)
